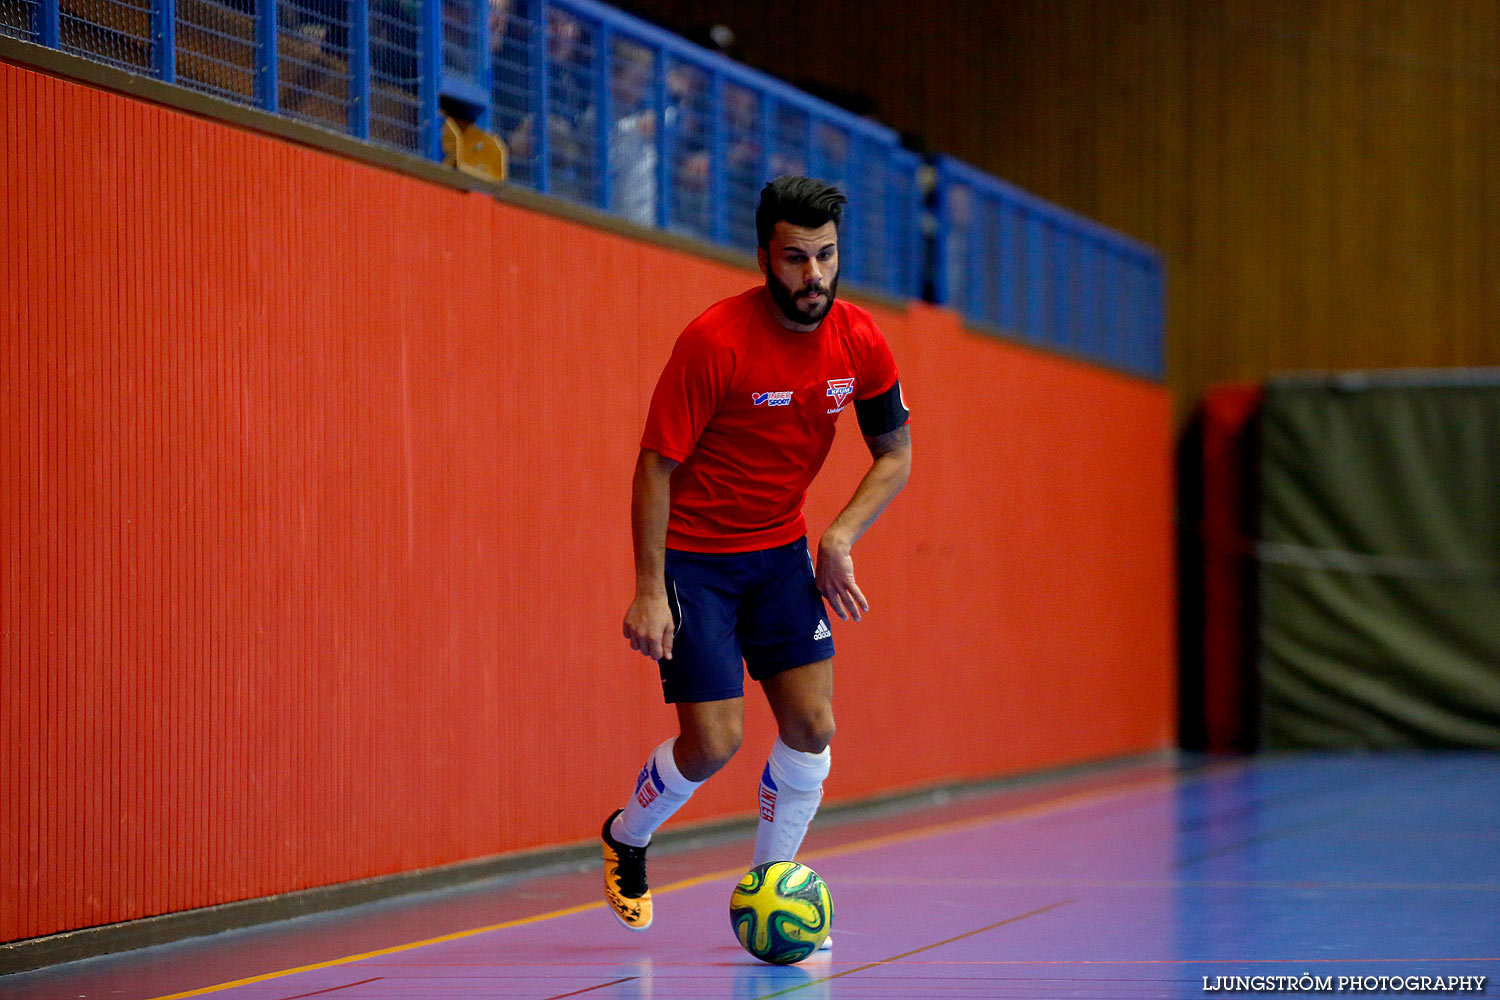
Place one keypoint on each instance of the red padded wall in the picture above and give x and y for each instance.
(1230, 485)
(313, 527)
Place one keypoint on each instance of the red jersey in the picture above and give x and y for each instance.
(748, 408)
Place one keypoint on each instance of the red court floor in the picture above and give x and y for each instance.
(1374, 874)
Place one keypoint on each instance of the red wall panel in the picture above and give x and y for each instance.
(314, 536)
(1229, 487)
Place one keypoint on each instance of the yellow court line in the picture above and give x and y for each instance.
(1046, 807)
(395, 949)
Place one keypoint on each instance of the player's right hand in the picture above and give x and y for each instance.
(649, 626)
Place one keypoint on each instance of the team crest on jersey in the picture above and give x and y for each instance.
(771, 398)
(839, 389)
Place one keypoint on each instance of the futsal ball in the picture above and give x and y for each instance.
(781, 912)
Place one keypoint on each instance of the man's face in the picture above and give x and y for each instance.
(802, 272)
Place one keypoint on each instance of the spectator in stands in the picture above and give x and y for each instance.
(688, 134)
(742, 124)
(571, 113)
(633, 156)
(635, 150)
(570, 109)
(743, 154)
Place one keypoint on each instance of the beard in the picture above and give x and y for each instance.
(791, 305)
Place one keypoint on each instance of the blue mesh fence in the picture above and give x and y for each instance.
(1012, 230)
(117, 33)
(908, 225)
(831, 153)
(515, 57)
(313, 61)
(745, 165)
(572, 135)
(661, 132)
(18, 19)
(690, 123)
(871, 163)
(955, 228)
(829, 157)
(395, 107)
(1014, 263)
(218, 48)
(789, 140)
(463, 50)
(634, 162)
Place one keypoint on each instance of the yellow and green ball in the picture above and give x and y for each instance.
(781, 912)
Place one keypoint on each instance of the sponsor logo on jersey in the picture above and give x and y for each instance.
(771, 398)
(839, 389)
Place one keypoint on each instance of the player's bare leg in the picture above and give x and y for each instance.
(802, 701)
(710, 734)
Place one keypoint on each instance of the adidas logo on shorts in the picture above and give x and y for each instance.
(822, 631)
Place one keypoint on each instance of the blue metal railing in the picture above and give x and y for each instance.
(601, 108)
(18, 19)
(1012, 262)
(636, 121)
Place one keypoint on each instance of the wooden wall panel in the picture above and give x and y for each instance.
(1323, 177)
(314, 543)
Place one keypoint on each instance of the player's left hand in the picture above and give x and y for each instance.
(835, 575)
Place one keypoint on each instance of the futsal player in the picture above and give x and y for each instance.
(741, 420)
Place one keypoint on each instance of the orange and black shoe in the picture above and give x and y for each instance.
(625, 880)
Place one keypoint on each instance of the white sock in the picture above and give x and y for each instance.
(790, 789)
(660, 790)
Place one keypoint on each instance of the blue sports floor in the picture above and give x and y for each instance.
(1331, 875)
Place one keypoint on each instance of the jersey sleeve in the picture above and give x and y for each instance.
(689, 391)
(877, 370)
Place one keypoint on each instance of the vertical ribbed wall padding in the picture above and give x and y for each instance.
(314, 492)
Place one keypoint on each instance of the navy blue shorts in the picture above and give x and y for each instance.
(760, 610)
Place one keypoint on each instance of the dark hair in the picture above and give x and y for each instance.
(801, 201)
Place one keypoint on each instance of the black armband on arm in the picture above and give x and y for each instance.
(883, 413)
